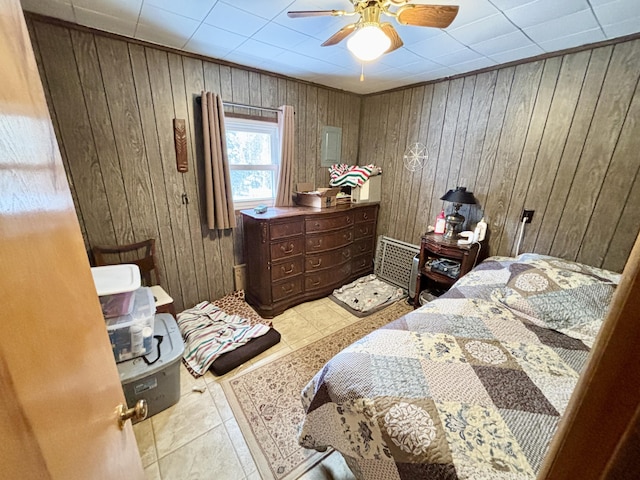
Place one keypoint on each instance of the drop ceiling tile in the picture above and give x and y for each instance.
(517, 54)
(485, 29)
(577, 39)
(418, 67)
(105, 22)
(266, 9)
(297, 60)
(465, 55)
(341, 57)
(195, 9)
(562, 26)
(246, 60)
(436, 46)
(500, 44)
(62, 10)
(259, 49)
(234, 20)
(541, 11)
(618, 11)
(621, 29)
(128, 9)
(280, 36)
(213, 41)
(163, 27)
(469, 11)
(476, 64)
(506, 4)
(400, 57)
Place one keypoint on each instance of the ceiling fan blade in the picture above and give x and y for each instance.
(340, 35)
(389, 31)
(439, 16)
(315, 13)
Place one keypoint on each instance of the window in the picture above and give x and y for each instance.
(254, 157)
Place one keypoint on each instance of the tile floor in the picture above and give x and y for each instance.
(199, 438)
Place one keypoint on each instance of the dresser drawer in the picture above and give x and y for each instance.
(285, 229)
(366, 214)
(361, 263)
(327, 278)
(286, 288)
(362, 246)
(286, 268)
(327, 260)
(328, 241)
(317, 224)
(364, 230)
(286, 248)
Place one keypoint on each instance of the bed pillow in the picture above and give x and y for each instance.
(565, 296)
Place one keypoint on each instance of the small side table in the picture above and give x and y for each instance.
(434, 247)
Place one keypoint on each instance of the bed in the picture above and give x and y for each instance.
(469, 386)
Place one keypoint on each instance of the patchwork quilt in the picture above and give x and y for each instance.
(469, 386)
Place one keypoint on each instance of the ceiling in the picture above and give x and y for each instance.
(258, 33)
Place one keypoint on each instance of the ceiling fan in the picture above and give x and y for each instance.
(374, 38)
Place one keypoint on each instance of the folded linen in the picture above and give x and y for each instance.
(208, 332)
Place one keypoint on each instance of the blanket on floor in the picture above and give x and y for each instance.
(208, 332)
(367, 293)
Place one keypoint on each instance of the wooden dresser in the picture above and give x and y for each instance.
(297, 254)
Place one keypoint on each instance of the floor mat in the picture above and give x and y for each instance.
(366, 295)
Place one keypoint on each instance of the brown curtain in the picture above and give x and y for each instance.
(220, 211)
(287, 156)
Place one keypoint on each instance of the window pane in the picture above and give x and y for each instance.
(249, 148)
(249, 185)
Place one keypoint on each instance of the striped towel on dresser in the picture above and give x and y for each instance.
(208, 332)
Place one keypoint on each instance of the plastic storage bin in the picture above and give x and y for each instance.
(131, 334)
(115, 285)
(159, 383)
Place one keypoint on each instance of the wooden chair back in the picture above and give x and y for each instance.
(141, 254)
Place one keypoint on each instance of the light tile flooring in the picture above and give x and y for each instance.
(199, 438)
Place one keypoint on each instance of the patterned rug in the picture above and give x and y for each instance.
(266, 400)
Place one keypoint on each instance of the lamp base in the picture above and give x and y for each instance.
(454, 223)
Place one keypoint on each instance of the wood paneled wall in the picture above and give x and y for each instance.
(112, 103)
(559, 136)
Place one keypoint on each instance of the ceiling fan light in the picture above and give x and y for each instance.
(368, 43)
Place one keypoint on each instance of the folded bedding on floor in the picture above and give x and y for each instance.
(367, 293)
(208, 332)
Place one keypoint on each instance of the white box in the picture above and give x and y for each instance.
(115, 285)
(369, 191)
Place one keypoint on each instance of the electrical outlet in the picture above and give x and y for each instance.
(527, 215)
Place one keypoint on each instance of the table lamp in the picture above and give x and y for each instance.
(454, 220)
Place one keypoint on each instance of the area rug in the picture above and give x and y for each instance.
(266, 400)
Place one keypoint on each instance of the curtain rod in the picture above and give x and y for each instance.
(242, 105)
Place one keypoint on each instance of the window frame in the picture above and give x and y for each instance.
(254, 124)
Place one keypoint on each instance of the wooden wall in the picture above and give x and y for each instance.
(559, 136)
(112, 103)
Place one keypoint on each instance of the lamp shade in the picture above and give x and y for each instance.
(368, 43)
(459, 195)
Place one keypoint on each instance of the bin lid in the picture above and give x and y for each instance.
(113, 279)
(144, 306)
(171, 348)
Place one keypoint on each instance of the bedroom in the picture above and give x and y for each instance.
(500, 113)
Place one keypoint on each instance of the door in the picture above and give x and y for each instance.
(59, 385)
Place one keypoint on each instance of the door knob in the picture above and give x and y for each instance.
(139, 412)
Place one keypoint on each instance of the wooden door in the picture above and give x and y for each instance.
(59, 385)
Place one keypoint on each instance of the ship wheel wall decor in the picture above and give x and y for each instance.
(415, 156)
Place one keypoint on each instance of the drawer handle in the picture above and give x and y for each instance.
(315, 282)
(362, 247)
(364, 231)
(317, 224)
(347, 236)
(287, 290)
(287, 272)
(365, 216)
(287, 250)
(348, 219)
(318, 244)
(346, 254)
(316, 265)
